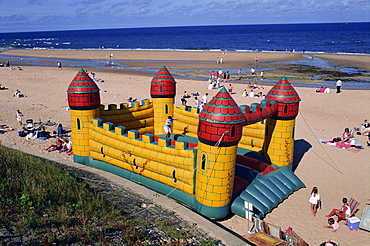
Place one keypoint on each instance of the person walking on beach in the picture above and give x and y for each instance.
(314, 201)
(19, 116)
(339, 84)
(59, 65)
(239, 73)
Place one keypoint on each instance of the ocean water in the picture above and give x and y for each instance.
(326, 38)
(334, 38)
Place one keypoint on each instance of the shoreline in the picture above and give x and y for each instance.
(297, 67)
(321, 116)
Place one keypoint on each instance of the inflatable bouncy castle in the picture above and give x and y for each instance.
(223, 159)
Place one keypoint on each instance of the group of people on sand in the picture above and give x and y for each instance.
(41, 134)
(252, 94)
(348, 139)
(61, 145)
(342, 214)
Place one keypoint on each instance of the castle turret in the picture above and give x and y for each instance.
(279, 142)
(163, 92)
(219, 131)
(84, 103)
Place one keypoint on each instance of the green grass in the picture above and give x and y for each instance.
(38, 198)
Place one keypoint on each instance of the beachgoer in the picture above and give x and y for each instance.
(220, 73)
(211, 85)
(262, 75)
(366, 124)
(251, 94)
(332, 224)
(186, 95)
(343, 213)
(230, 88)
(314, 201)
(67, 146)
(346, 136)
(18, 94)
(19, 116)
(327, 90)
(57, 146)
(168, 126)
(253, 71)
(31, 134)
(227, 76)
(197, 102)
(43, 134)
(183, 101)
(22, 133)
(244, 93)
(60, 130)
(59, 65)
(239, 73)
(338, 84)
(4, 129)
(205, 98)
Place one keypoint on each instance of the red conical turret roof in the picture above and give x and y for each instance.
(83, 93)
(221, 121)
(82, 83)
(222, 109)
(283, 92)
(163, 84)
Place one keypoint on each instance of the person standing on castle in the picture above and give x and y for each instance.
(168, 126)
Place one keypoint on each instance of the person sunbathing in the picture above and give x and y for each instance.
(67, 146)
(4, 129)
(57, 146)
(346, 135)
(343, 213)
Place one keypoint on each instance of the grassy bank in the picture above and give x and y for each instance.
(39, 199)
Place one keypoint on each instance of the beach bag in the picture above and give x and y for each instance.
(22, 134)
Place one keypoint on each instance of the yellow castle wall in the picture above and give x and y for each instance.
(155, 161)
(80, 130)
(131, 115)
(215, 182)
(281, 141)
(186, 120)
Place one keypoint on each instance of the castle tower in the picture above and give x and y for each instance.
(279, 140)
(219, 131)
(162, 91)
(84, 103)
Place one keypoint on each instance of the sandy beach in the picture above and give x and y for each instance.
(336, 172)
